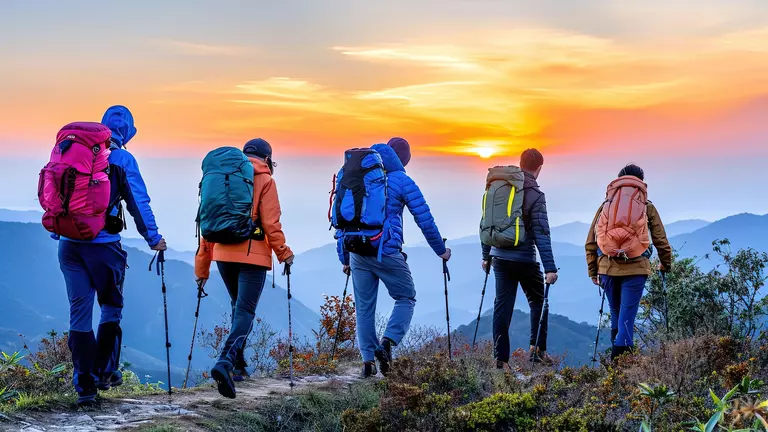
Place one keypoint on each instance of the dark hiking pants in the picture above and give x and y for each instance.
(508, 275)
(93, 269)
(244, 283)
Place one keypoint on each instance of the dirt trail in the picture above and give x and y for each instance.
(184, 406)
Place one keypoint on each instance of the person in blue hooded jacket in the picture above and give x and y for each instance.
(392, 269)
(96, 268)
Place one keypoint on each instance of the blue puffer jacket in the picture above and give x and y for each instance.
(125, 180)
(402, 191)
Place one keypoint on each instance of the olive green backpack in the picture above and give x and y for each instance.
(502, 223)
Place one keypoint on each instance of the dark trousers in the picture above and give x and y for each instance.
(624, 294)
(244, 283)
(508, 275)
(93, 270)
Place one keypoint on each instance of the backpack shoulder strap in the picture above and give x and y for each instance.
(258, 191)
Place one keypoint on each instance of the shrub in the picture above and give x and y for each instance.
(500, 411)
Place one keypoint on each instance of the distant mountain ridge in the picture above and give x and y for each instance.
(318, 271)
(743, 231)
(576, 232)
(35, 301)
(576, 342)
(24, 216)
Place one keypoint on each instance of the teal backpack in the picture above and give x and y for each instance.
(226, 197)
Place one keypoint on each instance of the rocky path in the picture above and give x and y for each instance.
(185, 406)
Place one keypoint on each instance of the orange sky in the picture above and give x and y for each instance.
(485, 90)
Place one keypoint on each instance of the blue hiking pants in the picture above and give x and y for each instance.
(244, 283)
(624, 294)
(93, 269)
(396, 275)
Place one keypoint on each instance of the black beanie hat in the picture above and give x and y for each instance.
(632, 170)
(259, 148)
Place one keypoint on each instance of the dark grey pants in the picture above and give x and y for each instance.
(508, 275)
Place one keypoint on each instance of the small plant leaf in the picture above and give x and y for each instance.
(712, 423)
(715, 399)
(59, 368)
(645, 427)
(730, 394)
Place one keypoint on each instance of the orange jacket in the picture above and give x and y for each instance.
(267, 209)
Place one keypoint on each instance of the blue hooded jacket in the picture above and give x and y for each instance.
(125, 180)
(402, 192)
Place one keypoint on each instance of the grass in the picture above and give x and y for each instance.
(66, 401)
(311, 410)
(47, 402)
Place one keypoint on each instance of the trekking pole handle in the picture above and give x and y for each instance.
(445, 263)
(201, 288)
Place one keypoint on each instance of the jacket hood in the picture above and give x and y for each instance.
(120, 121)
(259, 166)
(389, 157)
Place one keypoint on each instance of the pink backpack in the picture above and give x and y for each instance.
(74, 187)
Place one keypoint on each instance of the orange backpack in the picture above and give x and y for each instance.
(622, 227)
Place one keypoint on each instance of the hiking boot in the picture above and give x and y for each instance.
(222, 374)
(113, 380)
(618, 351)
(240, 371)
(369, 369)
(384, 355)
(501, 365)
(86, 400)
(240, 375)
(539, 356)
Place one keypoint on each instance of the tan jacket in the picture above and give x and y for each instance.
(605, 265)
(267, 209)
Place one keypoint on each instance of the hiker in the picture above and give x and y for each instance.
(96, 266)
(514, 261)
(619, 248)
(243, 263)
(385, 260)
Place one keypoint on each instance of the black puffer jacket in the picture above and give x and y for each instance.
(537, 231)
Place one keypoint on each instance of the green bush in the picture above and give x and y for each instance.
(500, 411)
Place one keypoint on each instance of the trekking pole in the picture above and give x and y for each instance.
(482, 297)
(544, 313)
(666, 302)
(160, 256)
(599, 324)
(341, 315)
(200, 294)
(446, 279)
(287, 273)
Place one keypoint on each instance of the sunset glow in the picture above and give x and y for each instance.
(484, 152)
(524, 84)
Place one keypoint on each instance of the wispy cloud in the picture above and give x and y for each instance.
(496, 92)
(425, 55)
(202, 49)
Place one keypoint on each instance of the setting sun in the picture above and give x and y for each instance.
(484, 152)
